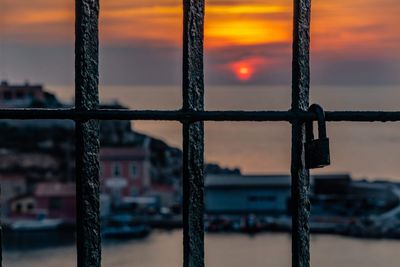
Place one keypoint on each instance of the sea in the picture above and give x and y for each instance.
(364, 150)
(164, 249)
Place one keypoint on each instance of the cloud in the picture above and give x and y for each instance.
(121, 65)
(142, 64)
(350, 71)
(351, 41)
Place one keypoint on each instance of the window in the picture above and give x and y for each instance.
(134, 192)
(116, 170)
(20, 94)
(134, 170)
(261, 198)
(29, 206)
(18, 208)
(55, 203)
(17, 190)
(7, 95)
(101, 171)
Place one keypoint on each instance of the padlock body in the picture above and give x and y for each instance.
(317, 153)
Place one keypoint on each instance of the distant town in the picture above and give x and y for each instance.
(141, 184)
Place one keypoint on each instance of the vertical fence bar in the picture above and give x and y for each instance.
(193, 134)
(300, 102)
(87, 134)
(1, 244)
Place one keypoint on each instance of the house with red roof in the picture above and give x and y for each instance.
(54, 200)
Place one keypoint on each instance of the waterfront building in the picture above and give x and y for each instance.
(331, 184)
(56, 200)
(167, 195)
(22, 207)
(245, 194)
(12, 186)
(52, 200)
(20, 95)
(339, 195)
(331, 195)
(125, 171)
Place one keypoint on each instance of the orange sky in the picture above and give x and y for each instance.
(360, 28)
(335, 23)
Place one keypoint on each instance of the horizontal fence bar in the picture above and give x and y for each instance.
(177, 115)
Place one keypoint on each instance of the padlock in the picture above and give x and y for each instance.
(317, 150)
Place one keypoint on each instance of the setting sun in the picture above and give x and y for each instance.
(245, 69)
(243, 73)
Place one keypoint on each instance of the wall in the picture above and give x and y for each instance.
(270, 201)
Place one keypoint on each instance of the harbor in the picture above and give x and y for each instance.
(235, 204)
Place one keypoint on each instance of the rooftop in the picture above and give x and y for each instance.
(123, 153)
(247, 180)
(55, 189)
(26, 85)
(218, 180)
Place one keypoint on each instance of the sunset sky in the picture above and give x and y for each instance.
(353, 42)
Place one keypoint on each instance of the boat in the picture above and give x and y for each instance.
(35, 225)
(124, 226)
(250, 224)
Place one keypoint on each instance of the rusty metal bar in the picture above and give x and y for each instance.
(177, 115)
(363, 116)
(193, 134)
(1, 245)
(87, 134)
(300, 102)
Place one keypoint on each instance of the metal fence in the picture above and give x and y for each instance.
(192, 115)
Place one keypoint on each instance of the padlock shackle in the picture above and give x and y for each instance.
(318, 110)
(309, 131)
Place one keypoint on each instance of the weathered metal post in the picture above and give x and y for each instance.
(193, 134)
(87, 134)
(300, 102)
(1, 245)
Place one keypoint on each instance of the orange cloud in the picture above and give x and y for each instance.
(359, 26)
(225, 25)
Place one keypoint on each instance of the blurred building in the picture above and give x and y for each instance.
(167, 195)
(12, 186)
(330, 195)
(20, 95)
(331, 184)
(22, 207)
(244, 194)
(125, 171)
(56, 200)
(49, 200)
(339, 195)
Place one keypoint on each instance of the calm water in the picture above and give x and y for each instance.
(367, 150)
(234, 250)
